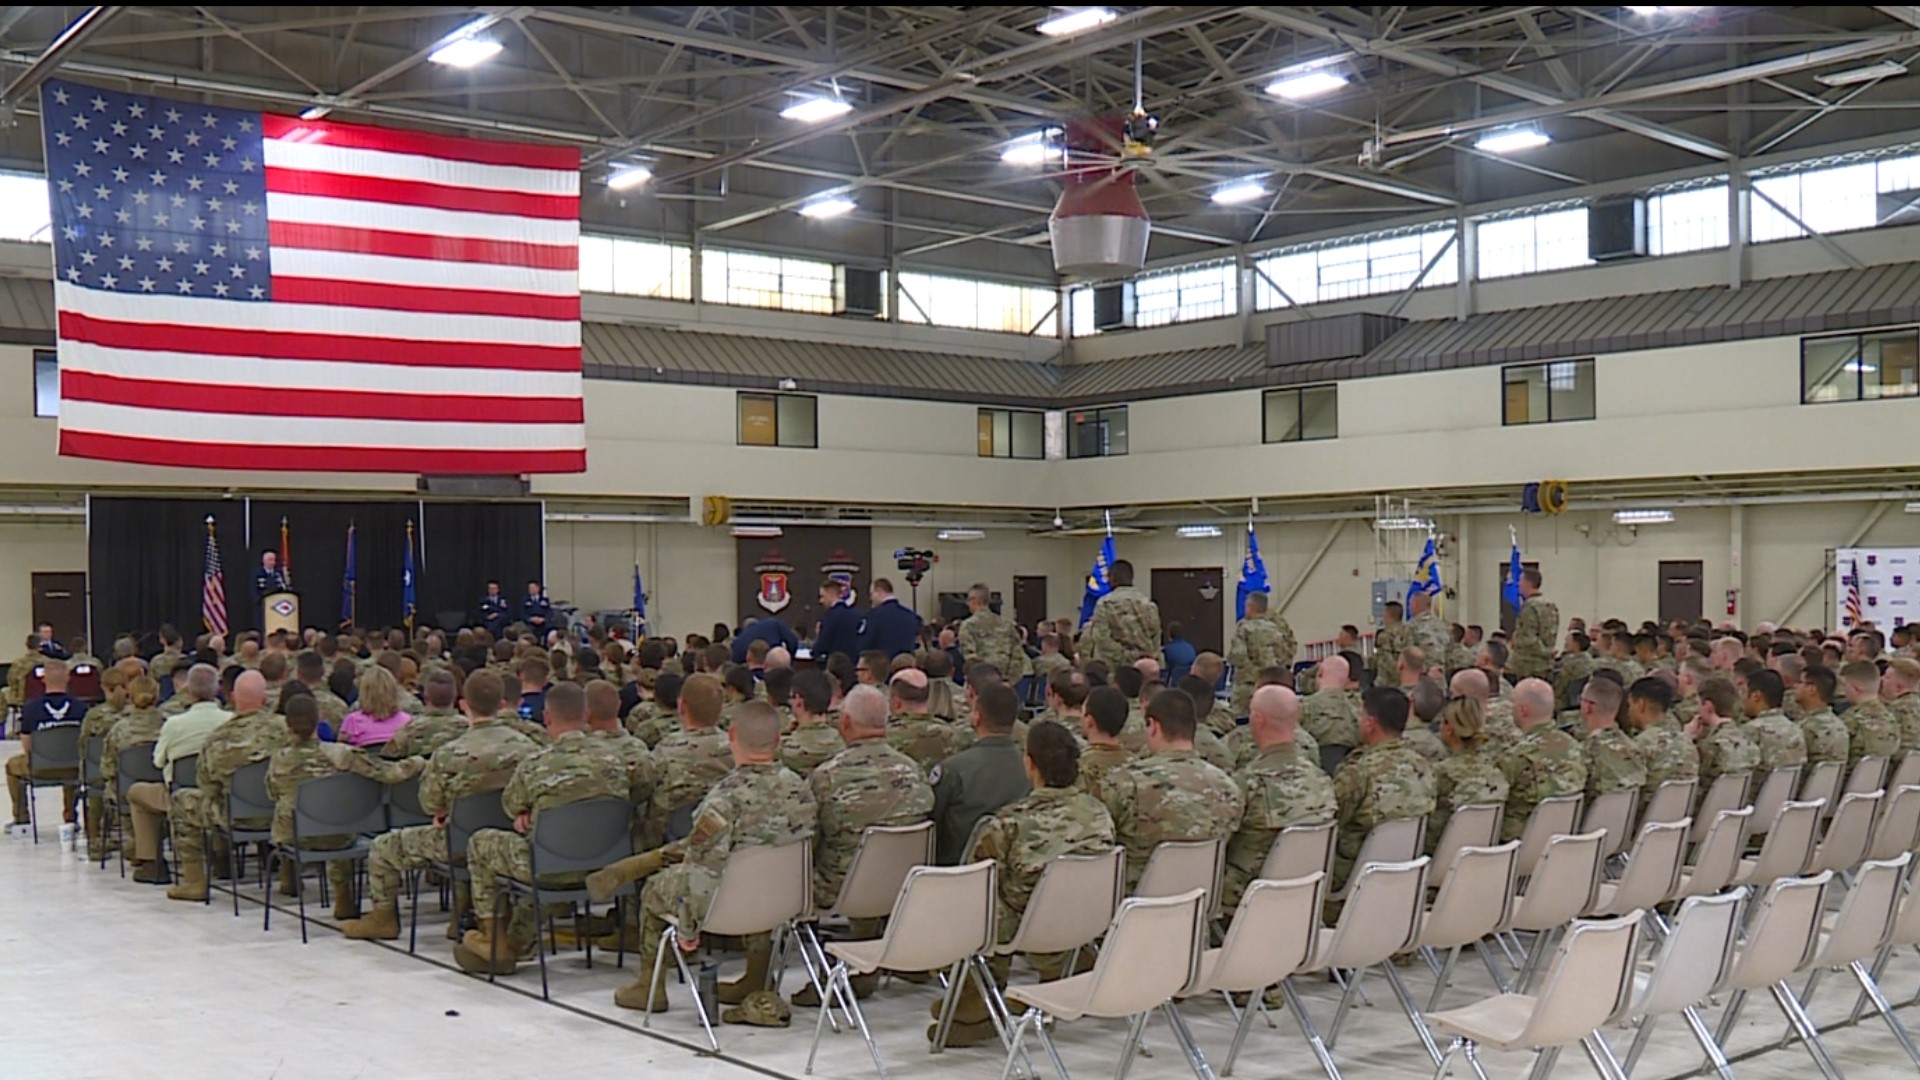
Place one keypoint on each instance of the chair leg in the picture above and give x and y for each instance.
(1240, 1031)
(1472, 1053)
(1183, 1035)
(700, 1005)
(1017, 1043)
(669, 939)
(1783, 996)
(413, 909)
(996, 1005)
(1136, 1032)
(1500, 980)
(826, 1006)
(1715, 1055)
(1871, 989)
(1602, 1057)
(1346, 1003)
(1446, 1060)
(1876, 972)
(300, 894)
(1640, 1036)
(955, 975)
(1307, 1028)
(845, 990)
(1442, 977)
(1413, 1011)
(1806, 999)
(814, 956)
(1536, 955)
(1543, 1063)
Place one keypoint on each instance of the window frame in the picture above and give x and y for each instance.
(774, 397)
(1546, 369)
(1859, 340)
(1100, 415)
(1300, 413)
(51, 359)
(987, 414)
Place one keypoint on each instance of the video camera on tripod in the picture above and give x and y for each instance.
(914, 563)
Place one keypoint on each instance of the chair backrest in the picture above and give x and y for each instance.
(1273, 934)
(1475, 900)
(1178, 865)
(579, 836)
(761, 889)
(469, 814)
(1906, 771)
(1906, 922)
(1821, 780)
(83, 682)
(1298, 851)
(1782, 934)
(1558, 816)
(1774, 794)
(1695, 956)
(1671, 801)
(1653, 870)
(1898, 828)
(1865, 921)
(90, 758)
(887, 853)
(1396, 841)
(1564, 884)
(247, 796)
(403, 804)
(1727, 792)
(341, 804)
(1072, 905)
(944, 914)
(1381, 916)
(186, 772)
(1869, 774)
(134, 765)
(1716, 859)
(1848, 835)
(1789, 844)
(1589, 980)
(55, 748)
(680, 822)
(1151, 954)
(1469, 826)
(1613, 813)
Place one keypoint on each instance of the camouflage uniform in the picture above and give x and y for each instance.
(1169, 796)
(1241, 746)
(1471, 777)
(1572, 668)
(1500, 727)
(424, 734)
(573, 768)
(868, 783)
(1046, 664)
(1133, 734)
(752, 806)
(1332, 717)
(1725, 750)
(17, 674)
(1795, 711)
(95, 725)
(1827, 737)
(654, 726)
(1906, 710)
(1096, 761)
(481, 759)
(1423, 740)
(177, 704)
(1282, 787)
(1125, 627)
(1545, 763)
(925, 738)
(987, 638)
(1459, 657)
(1779, 740)
(1221, 719)
(239, 742)
(1872, 728)
(1214, 751)
(641, 773)
(135, 726)
(1025, 836)
(1535, 630)
(1388, 643)
(1669, 755)
(1684, 710)
(1260, 641)
(313, 760)
(806, 746)
(1614, 762)
(1383, 782)
(1431, 636)
(686, 765)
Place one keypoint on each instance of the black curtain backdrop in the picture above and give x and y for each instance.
(144, 562)
(144, 558)
(470, 544)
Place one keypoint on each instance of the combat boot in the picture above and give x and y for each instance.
(192, 885)
(381, 924)
(288, 886)
(346, 906)
(153, 873)
(602, 884)
(488, 950)
(759, 959)
(634, 995)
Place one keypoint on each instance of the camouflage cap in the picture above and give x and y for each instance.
(762, 1008)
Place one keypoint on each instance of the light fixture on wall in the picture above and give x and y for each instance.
(1198, 532)
(1913, 508)
(1643, 517)
(758, 532)
(956, 535)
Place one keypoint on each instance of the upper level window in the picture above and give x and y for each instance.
(767, 281)
(46, 383)
(1687, 219)
(1860, 367)
(978, 305)
(1368, 266)
(611, 264)
(24, 211)
(1097, 432)
(1295, 415)
(1197, 292)
(778, 420)
(1013, 433)
(1547, 393)
(1531, 243)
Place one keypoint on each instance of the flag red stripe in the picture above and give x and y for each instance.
(217, 455)
(336, 404)
(415, 193)
(388, 297)
(170, 337)
(477, 151)
(294, 234)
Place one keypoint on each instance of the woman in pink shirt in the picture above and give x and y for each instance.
(376, 714)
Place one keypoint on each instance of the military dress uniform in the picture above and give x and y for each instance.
(1472, 777)
(1778, 738)
(1169, 796)
(494, 614)
(1387, 781)
(1281, 786)
(1535, 631)
(1872, 728)
(1260, 641)
(810, 744)
(1545, 763)
(1125, 627)
(989, 639)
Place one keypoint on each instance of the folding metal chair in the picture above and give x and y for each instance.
(575, 838)
(54, 749)
(339, 805)
(468, 815)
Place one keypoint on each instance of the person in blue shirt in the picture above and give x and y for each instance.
(536, 610)
(841, 624)
(49, 647)
(495, 613)
(267, 580)
(770, 630)
(54, 709)
(534, 672)
(891, 627)
(1179, 652)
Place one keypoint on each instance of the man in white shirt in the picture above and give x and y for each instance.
(181, 737)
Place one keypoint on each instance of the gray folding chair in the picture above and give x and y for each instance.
(1613, 813)
(132, 765)
(468, 815)
(1178, 865)
(339, 805)
(1694, 958)
(54, 749)
(1775, 792)
(92, 782)
(247, 800)
(1297, 851)
(403, 804)
(186, 773)
(576, 838)
(1862, 928)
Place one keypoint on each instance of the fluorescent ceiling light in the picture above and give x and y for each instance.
(466, 52)
(757, 532)
(1913, 508)
(1240, 191)
(1662, 10)
(315, 112)
(961, 534)
(832, 206)
(1309, 81)
(1885, 69)
(1404, 524)
(1509, 140)
(1032, 149)
(628, 176)
(1075, 20)
(816, 110)
(1198, 532)
(1642, 517)
(1856, 367)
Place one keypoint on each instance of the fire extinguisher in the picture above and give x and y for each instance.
(1733, 602)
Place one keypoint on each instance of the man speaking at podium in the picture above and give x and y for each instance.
(267, 580)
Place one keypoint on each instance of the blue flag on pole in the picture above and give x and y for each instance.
(349, 591)
(639, 603)
(1426, 574)
(1098, 584)
(1511, 593)
(1253, 575)
(406, 580)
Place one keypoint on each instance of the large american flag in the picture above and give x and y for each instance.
(213, 587)
(239, 290)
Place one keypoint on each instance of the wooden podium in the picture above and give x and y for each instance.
(280, 611)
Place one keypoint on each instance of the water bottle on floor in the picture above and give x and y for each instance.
(68, 832)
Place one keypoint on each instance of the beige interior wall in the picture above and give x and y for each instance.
(25, 548)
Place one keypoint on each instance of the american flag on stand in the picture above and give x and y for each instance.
(1852, 614)
(244, 290)
(213, 588)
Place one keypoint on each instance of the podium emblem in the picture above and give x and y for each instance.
(282, 607)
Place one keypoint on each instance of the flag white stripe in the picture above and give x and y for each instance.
(434, 273)
(283, 431)
(425, 220)
(314, 318)
(314, 374)
(387, 165)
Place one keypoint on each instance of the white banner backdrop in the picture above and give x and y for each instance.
(1889, 585)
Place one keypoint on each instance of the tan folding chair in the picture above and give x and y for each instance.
(1298, 851)
(942, 920)
(1898, 827)
(1822, 781)
(1558, 816)
(1783, 931)
(1776, 791)
(1848, 834)
(1903, 934)
(761, 890)
(1653, 871)
(1727, 792)
(1613, 813)
(1071, 906)
(1178, 865)
(1587, 982)
(881, 863)
(1863, 927)
(1469, 826)
(1670, 801)
(1273, 935)
(1906, 771)
(1563, 886)
(1869, 775)
(1693, 960)
(1475, 901)
(1378, 921)
(1787, 848)
(1396, 841)
(1716, 858)
(1152, 953)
